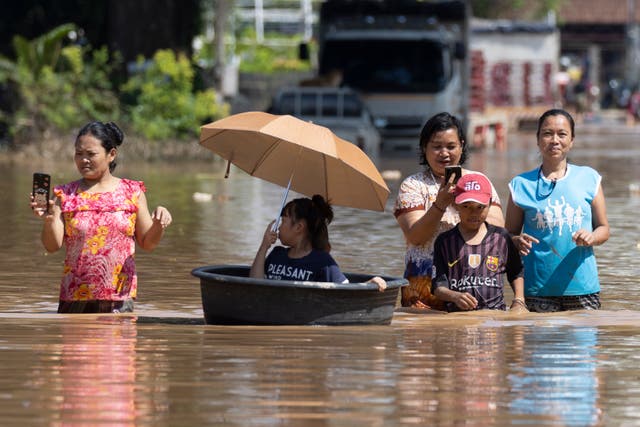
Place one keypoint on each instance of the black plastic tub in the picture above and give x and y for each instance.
(230, 297)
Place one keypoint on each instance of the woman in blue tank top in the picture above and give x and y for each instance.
(557, 214)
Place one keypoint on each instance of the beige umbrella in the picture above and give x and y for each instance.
(308, 158)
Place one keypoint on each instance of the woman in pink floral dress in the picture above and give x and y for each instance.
(99, 219)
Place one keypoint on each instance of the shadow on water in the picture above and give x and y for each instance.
(169, 320)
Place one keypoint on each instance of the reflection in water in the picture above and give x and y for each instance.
(443, 370)
(557, 375)
(452, 376)
(97, 374)
(300, 376)
(166, 368)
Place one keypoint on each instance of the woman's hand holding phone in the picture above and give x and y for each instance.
(455, 171)
(41, 194)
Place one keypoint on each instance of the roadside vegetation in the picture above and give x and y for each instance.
(278, 54)
(54, 84)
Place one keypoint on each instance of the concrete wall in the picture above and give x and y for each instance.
(513, 68)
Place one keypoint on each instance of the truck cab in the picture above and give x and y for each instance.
(337, 108)
(406, 58)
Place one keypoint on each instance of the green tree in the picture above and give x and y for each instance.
(162, 101)
(56, 86)
(277, 53)
(514, 9)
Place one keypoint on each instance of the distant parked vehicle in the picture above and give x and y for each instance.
(337, 108)
(408, 60)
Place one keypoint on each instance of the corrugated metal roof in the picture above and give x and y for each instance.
(598, 11)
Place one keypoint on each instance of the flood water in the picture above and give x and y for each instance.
(163, 366)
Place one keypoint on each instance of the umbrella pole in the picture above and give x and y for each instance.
(276, 224)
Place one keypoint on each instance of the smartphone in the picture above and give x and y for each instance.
(42, 190)
(452, 170)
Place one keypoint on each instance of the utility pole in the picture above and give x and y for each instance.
(222, 11)
(632, 45)
(307, 17)
(258, 8)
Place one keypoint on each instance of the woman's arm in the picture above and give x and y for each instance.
(420, 226)
(518, 304)
(513, 224)
(495, 216)
(150, 228)
(52, 228)
(515, 218)
(601, 232)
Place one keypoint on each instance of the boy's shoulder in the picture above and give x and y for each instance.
(503, 234)
(448, 233)
(497, 229)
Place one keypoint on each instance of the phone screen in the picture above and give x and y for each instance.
(42, 190)
(452, 170)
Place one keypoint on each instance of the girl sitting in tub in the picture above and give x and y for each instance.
(305, 256)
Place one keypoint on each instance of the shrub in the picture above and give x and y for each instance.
(276, 54)
(163, 102)
(57, 87)
(79, 93)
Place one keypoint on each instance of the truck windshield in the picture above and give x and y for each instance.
(388, 65)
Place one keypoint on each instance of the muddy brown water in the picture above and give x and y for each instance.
(163, 366)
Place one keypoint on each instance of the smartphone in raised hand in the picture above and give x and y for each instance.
(452, 170)
(42, 190)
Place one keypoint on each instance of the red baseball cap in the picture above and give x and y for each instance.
(473, 187)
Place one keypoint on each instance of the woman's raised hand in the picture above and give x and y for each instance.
(39, 211)
(445, 194)
(161, 215)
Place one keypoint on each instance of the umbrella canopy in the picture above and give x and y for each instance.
(283, 149)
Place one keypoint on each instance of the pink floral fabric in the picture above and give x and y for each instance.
(99, 238)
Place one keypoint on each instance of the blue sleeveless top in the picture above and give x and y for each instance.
(552, 213)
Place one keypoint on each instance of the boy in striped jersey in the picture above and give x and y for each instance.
(471, 259)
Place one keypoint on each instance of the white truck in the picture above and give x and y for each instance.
(339, 109)
(407, 59)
